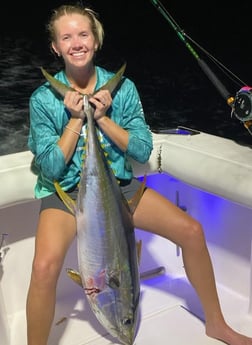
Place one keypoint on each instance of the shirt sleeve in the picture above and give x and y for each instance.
(43, 138)
(140, 143)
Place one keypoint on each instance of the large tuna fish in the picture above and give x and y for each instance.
(107, 257)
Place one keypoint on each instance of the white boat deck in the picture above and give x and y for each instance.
(165, 317)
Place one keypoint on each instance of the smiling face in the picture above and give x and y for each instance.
(74, 40)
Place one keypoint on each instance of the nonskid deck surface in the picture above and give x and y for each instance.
(165, 317)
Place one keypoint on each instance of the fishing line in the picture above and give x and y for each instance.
(241, 103)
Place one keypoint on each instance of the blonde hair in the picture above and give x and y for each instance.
(96, 25)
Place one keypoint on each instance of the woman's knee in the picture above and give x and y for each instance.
(194, 232)
(46, 268)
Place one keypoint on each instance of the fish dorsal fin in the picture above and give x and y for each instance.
(69, 202)
(133, 202)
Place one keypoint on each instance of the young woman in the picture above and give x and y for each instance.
(55, 127)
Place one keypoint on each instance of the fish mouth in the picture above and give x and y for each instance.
(124, 330)
(127, 337)
(127, 341)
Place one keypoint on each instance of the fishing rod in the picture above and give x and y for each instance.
(241, 103)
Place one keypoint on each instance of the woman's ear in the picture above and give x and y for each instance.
(54, 48)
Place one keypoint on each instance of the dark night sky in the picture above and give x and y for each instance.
(136, 32)
(138, 19)
(220, 28)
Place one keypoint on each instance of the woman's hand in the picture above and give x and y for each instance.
(102, 101)
(74, 102)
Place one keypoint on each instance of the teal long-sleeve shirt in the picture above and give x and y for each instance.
(49, 116)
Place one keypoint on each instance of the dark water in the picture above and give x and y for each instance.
(173, 88)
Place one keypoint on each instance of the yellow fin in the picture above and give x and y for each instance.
(75, 276)
(139, 251)
(69, 202)
(133, 202)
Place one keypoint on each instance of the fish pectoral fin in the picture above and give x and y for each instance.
(139, 250)
(133, 202)
(69, 202)
(75, 276)
(114, 281)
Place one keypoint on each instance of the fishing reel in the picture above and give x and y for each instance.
(242, 106)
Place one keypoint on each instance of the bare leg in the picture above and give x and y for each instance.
(156, 214)
(56, 230)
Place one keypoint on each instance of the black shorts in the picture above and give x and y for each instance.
(128, 188)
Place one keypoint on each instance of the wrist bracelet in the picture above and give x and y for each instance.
(72, 130)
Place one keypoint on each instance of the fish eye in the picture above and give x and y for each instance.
(127, 321)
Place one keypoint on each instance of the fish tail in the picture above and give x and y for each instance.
(60, 87)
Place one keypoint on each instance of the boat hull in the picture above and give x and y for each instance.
(167, 300)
